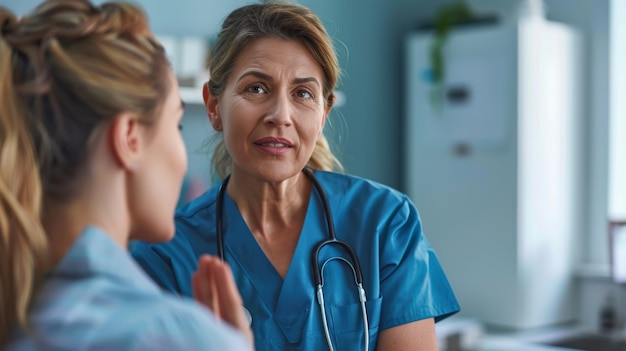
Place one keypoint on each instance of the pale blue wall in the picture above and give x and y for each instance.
(176, 17)
(367, 129)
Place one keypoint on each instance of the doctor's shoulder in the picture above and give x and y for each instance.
(197, 217)
(362, 192)
(364, 204)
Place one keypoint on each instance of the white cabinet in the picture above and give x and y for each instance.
(496, 174)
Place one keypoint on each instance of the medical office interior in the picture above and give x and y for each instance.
(503, 120)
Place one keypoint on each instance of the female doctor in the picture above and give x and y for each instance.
(322, 260)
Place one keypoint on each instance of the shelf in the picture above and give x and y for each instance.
(193, 96)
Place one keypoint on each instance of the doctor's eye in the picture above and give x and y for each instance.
(180, 127)
(256, 89)
(305, 94)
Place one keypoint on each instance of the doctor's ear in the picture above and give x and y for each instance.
(125, 137)
(212, 108)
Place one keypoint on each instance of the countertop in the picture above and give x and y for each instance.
(469, 335)
(501, 343)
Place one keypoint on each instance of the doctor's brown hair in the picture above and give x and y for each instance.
(281, 20)
(66, 70)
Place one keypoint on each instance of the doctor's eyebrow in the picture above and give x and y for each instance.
(182, 105)
(256, 74)
(269, 78)
(306, 80)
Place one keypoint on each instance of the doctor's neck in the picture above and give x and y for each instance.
(274, 192)
(266, 204)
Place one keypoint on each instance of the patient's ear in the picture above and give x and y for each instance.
(125, 140)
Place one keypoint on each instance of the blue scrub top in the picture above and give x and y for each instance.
(402, 277)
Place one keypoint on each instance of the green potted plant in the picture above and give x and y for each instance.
(444, 20)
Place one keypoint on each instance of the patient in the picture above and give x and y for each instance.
(91, 157)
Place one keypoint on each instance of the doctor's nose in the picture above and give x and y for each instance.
(280, 111)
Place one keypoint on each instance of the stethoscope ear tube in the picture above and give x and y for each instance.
(332, 238)
(354, 261)
(218, 218)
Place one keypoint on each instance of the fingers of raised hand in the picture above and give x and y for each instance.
(205, 285)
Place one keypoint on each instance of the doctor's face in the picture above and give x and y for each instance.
(272, 110)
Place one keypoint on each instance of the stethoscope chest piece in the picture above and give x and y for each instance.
(248, 316)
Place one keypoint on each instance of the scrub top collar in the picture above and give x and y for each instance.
(288, 299)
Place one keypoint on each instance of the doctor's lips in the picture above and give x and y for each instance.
(274, 145)
(273, 142)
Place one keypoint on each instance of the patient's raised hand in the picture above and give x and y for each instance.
(215, 288)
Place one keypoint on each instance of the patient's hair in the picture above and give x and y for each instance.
(66, 69)
(273, 20)
(22, 240)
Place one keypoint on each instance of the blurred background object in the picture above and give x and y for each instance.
(511, 94)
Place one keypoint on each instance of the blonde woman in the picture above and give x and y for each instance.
(89, 131)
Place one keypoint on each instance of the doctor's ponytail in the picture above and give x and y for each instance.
(23, 244)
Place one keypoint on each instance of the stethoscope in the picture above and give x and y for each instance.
(318, 270)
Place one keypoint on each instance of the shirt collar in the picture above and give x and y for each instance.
(95, 253)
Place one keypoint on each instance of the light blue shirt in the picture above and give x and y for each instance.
(99, 299)
(402, 276)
